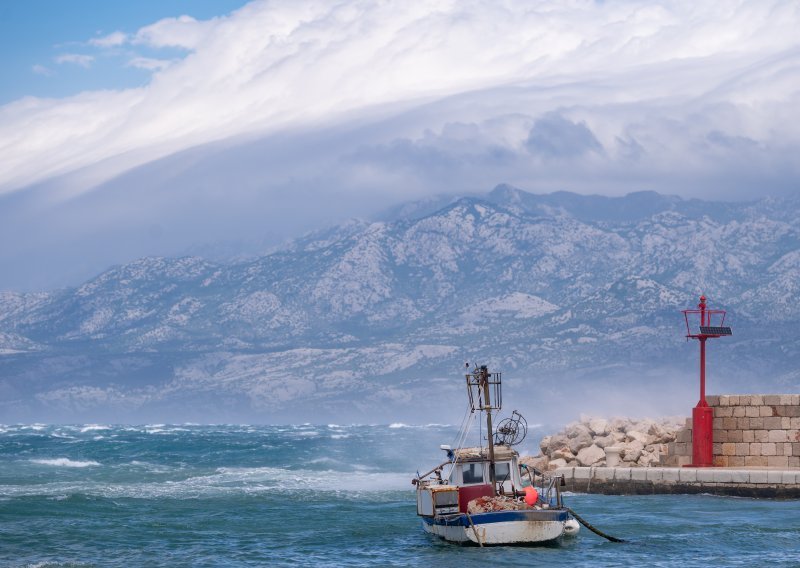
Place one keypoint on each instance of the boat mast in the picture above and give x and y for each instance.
(484, 381)
(479, 382)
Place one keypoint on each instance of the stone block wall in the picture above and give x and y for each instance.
(750, 430)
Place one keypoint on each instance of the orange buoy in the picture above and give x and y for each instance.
(531, 496)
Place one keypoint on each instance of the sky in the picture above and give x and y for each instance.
(175, 127)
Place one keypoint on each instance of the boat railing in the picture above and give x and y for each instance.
(548, 486)
(437, 471)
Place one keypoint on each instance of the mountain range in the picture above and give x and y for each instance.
(576, 299)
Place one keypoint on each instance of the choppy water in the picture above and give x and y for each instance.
(328, 495)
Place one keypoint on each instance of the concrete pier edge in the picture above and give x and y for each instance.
(761, 483)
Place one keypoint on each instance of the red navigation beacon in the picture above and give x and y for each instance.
(703, 324)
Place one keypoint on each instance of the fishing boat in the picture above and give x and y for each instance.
(484, 495)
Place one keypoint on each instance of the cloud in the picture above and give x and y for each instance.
(42, 70)
(75, 59)
(273, 66)
(554, 136)
(286, 114)
(149, 63)
(185, 32)
(113, 39)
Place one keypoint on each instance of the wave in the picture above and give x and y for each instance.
(94, 427)
(307, 434)
(230, 481)
(61, 435)
(65, 462)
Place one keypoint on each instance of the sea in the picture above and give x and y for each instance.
(317, 495)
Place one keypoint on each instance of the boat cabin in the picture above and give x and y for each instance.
(472, 468)
(469, 479)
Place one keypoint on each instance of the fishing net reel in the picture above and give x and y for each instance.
(511, 431)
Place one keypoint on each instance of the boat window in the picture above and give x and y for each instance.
(472, 473)
(502, 472)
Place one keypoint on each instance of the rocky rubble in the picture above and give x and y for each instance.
(641, 443)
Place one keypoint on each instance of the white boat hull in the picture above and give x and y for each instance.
(500, 527)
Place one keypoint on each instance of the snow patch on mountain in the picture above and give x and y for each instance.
(516, 305)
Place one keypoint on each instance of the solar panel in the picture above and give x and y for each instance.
(713, 330)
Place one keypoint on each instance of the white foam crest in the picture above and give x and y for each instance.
(94, 428)
(59, 434)
(65, 462)
(57, 564)
(330, 462)
(420, 426)
(149, 466)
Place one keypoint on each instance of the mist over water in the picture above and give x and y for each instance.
(310, 494)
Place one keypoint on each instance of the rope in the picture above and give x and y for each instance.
(474, 530)
(461, 436)
(592, 528)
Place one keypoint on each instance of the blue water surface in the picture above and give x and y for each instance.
(310, 495)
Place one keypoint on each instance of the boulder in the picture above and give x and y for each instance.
(591, 455)
(641, 442)
(661, 434)
(598, 426)
(556, 442)
(539, 462)
(576, 429)
(635, 445)
(630, 455)
(618, 425)
(639, 436)
(631, 426)
(647, 459)
(563, 453)
(543, 445)
(605, 441)
(642, 425)
(582, 440)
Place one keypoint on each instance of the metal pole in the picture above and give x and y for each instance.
(703, 415)
(488, 408)
(703, 372)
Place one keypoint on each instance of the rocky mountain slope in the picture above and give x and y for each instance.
(568, 295)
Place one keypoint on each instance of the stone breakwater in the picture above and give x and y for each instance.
(639, 443)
